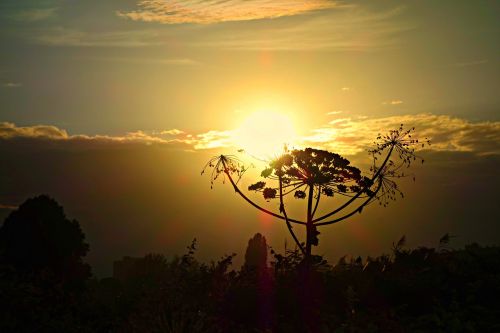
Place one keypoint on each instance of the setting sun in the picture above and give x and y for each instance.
(263, 134)
(244, 166)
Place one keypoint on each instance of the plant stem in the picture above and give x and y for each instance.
(282, 210)
(309, 226)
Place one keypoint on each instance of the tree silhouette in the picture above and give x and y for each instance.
(256, 253)
(313, 174)
(38, 237)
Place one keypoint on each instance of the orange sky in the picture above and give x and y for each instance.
(114, 107)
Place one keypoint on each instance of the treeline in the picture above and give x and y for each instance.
(46, 287)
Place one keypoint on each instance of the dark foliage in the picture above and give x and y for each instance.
(408, 290)
(419, 290)
(38, 237)
(42, 273)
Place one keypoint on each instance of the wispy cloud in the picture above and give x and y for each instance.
(329, 25)
(393, 102)
(333, 113)
(179, 61)
(154, 61)
(214, 11)
(61, 36)
(12, 85)
(37, 14)
(352, 28)
(469, 63)
(173, 131)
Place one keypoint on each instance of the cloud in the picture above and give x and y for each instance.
(469, 63)
(61, 36)
(173, 131)
(12, 85)
(173, 137)
(346, 136)
(333, 113)
(154, 61)
(213, 139)
(53, 133)
(214, 11)
(393, 102)
(109, 191)
(10, 130)
(329, 25)
(179, 61)
(349, 136)
(38, 14)
(346, 28)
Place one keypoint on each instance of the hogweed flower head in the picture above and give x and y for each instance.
(222, 165)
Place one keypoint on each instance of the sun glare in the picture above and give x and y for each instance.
(263, 134)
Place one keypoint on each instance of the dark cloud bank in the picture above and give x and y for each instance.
(132, 198)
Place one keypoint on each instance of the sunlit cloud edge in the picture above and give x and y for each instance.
(209, 12)
(347, 136)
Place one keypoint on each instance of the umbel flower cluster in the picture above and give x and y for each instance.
(312, 174)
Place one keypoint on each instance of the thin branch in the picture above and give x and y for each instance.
(293, 189)
(226, 171)
(354, 211)
(350, 195)
(360, 192)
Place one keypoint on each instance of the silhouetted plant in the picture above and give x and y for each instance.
(313, 174)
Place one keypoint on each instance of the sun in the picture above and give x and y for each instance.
(263, 134)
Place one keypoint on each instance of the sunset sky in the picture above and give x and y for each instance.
(113, 107)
